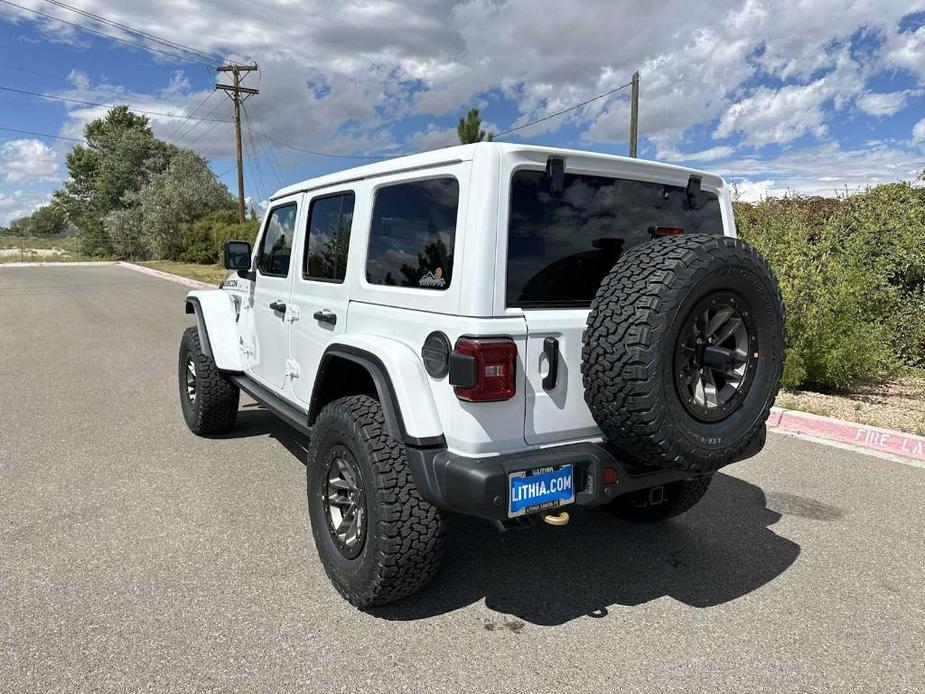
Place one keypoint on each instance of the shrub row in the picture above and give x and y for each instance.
(852, 272)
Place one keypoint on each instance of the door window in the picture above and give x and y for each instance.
(276, 244)
(329, 222)
(412, 233)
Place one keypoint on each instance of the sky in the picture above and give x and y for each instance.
(815, 97)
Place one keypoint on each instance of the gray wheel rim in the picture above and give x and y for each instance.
(716, 356)
(345, 502)
(190, 379)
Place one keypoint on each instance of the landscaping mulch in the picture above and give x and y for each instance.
(896, 404)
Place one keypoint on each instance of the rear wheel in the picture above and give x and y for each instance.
(378, 540)
(660, 503)
(209, 400)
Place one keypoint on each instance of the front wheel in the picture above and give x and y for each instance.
(660, 503)
(208, 399)
(377, 539)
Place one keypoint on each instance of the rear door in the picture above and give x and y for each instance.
(560, 247)
(319, 291)
(272, 287)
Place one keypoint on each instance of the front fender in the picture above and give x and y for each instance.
(216, 319)
(402, 383)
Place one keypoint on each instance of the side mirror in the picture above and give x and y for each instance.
(237, 255)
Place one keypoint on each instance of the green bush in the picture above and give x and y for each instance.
(852, 272)
(202, 241)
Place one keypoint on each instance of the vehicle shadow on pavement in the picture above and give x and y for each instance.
(254, 420)
(719, 551)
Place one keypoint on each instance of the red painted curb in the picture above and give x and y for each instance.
(195, 284)
(873, 438)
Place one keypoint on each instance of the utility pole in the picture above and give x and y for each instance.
(235, 90)
(634, 114)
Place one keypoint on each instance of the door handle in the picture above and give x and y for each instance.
(551, 350)
(325, 316)
(278, 306)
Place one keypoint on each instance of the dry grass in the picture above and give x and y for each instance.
(896, 404)
(213, 274)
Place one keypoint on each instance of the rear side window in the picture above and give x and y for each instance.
(412, 234)
(276, 244)
(560, 247)
(329, 222)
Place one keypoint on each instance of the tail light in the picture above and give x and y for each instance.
(483, 369)
(666, 231)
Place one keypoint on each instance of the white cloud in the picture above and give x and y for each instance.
(918, 132)
(27, 161)
(19, 203)
(752, 191)
(883, 104)
(825, 169)
(773, 116)
(338, 80)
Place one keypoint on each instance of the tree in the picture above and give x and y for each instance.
(470, 130)
(184, 192)
(46, 221)
(120, 155)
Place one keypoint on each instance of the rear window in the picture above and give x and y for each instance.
(561, 246)
(412, 233)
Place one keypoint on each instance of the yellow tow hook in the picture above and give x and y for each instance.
(557, 519)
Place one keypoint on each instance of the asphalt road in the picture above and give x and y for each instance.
(137, 557)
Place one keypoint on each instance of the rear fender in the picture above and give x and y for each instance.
(216, 319)
(401, 383)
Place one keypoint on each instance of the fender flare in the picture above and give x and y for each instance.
(216, 321)
(385, 388)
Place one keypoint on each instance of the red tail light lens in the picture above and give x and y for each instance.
(483, 369)
(667, 231)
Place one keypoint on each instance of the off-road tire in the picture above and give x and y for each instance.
(677, 497)
(404, 535)
(215, 407)
(630, 346)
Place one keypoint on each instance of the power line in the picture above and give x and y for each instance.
(274, 161)
(142, 46)
(323, 154)
(93, 103)
(192, 113)
(187, 129)
(138, 32)
(32, 132)
(565, 110)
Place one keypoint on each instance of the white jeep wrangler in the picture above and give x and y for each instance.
(492, 329)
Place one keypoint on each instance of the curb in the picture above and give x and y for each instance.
(60, 263)
(160, 274)
(890, 441)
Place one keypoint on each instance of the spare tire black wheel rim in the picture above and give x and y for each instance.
(715, 356)
(344, 502)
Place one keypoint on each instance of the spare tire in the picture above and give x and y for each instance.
(683, 352)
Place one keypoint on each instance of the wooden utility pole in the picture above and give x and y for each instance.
(235, 90)
(634, 114)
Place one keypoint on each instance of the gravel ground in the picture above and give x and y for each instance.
(137, 557)
(896, 404)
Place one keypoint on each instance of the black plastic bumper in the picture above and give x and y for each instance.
(479, 486)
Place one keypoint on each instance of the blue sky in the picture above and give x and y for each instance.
(814, 96)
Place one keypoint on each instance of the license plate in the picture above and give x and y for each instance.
(536, 490)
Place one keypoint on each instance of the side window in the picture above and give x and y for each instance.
(276, 245)
(329, 221)
(412, 233)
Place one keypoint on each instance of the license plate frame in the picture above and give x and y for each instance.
(525, 495)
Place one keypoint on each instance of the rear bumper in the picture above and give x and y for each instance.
(479, 486)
